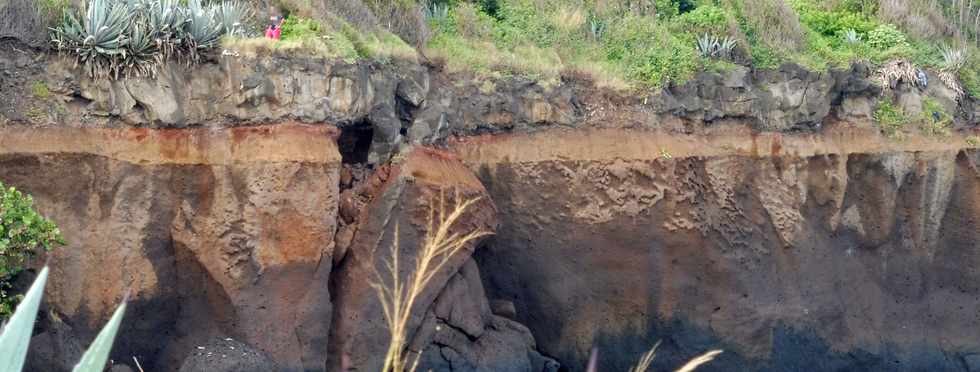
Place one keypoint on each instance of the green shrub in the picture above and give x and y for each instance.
(973, 141)
(890, 118)
(833, 23)
(934, 120)
(520, 22)
(40, 90)
(886, 36)
(969, 74)
(22, 231)
(296, 28)
(650, 53)
(706, 19)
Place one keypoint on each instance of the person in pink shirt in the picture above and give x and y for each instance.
(274, 31)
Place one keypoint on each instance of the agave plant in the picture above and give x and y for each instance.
(232, 14)
(16, 335)
(707, 46)
(953, 59)
(851, 36)
(165, 21)
(203, 28)
(596, 28)
(726, 47)
(140, 57)
(436, 13)
(132, 37)
(711, 47)
(98, 39)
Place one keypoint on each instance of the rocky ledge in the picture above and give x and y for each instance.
(404, 102)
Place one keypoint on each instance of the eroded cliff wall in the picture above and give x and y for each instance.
(828, 252)
(247, 203)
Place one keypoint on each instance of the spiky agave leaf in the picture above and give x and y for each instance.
(97, 354)
(140, 61)
(726, 47)
(16, 334)
(851, 36)
(165, 22)
(98, 37)
(232, 15)
(203, 30)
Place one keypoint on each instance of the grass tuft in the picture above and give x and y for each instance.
(398, 295)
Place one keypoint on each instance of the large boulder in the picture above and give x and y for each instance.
(226, 355)
(402, 198)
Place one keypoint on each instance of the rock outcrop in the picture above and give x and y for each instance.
(404, 102)
(232, 233)
(452, 326)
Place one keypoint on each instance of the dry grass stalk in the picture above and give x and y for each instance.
(949, 80)
(398, 295)
(776, 22)
(896, 71)
(646, 359)
(569, 19)
(697, 362)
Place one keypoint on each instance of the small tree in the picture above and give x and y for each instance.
(22, 232)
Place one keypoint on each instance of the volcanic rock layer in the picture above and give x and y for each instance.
(838, 250)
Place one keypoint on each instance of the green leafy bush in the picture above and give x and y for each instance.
(706, 19)
(886, 36)
(650, 53)
(833, 23)
(22, 231)
(16, 335)
(969, 74)
(934, 120)
(890, 118)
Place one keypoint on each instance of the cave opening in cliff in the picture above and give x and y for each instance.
(355, 143)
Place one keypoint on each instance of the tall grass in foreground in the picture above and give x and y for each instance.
(398, 295)
(647, 358)
(439, 246)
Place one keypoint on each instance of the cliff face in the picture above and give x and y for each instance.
(247, 203)
(793, 253)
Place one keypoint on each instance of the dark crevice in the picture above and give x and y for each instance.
(406, 113)
(355, 143)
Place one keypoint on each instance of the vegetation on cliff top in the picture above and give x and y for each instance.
(657, 43)
(620, 43)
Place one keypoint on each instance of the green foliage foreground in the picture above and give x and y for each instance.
(16, 335)
(22, 231)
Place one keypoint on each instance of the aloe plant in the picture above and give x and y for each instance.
(16, 335)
